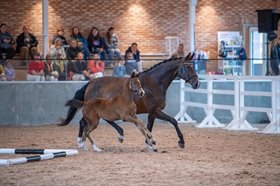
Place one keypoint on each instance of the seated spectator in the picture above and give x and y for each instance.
(78, 68)
(60, 34)
(179, 52)
(112, 44)
(57, 50)
(58, 56)
(2, 74)
(96, 67)
(84, 50)
(78, 36)
(6, 43)
(36, 69)
(136, 55)
(51, 70)
(62, 70)
(130, 64)
(73, 50)
(96, 44)
(26, 44)
(119, 69)
(10, 72)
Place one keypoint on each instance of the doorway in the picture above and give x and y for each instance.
(257, 52)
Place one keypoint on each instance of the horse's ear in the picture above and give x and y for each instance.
(187, 57)
(192, 56)
(135, 74)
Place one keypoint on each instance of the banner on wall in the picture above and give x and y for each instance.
(230, 38)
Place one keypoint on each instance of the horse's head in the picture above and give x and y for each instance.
(135, 85)
(187, 72)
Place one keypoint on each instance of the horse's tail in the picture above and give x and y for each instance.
(74, 103)
(79, 95)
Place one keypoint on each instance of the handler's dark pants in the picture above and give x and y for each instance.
(274, 64)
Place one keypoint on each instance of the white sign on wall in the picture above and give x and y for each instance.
(230, 38)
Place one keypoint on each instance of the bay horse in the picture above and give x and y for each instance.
(155, 82)
(120, 107)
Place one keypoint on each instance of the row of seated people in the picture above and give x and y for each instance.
(26, 44)
(77, 69)
(57, 68)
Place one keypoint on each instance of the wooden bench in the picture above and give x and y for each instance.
(21, 74)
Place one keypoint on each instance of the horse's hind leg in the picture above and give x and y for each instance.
(82, 140)
(87, 134)
(92, 124)
(118, 128)
(83, 124)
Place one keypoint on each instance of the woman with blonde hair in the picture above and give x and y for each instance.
(96, 67)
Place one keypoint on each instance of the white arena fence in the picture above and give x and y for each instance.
(239, 109)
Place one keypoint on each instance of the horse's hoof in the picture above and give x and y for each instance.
(81, 145)
(154, 142)
(121, 138)
(152, 148)
(182, 145)
(96, 148)
(85, 148)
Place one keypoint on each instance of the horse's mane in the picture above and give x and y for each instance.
(158, 64)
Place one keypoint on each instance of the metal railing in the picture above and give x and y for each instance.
(202, 67)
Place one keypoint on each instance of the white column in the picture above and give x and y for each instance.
(192, 7)
(45, 8)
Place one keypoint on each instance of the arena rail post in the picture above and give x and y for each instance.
(182, 116)
(274, 125)
(235, 123)
(240, 123)
(210, 121)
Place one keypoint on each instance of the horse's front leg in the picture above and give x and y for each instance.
(161, 115)
(141, 126)
(151, 120)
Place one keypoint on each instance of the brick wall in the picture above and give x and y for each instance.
(17, 13)
(146, 22)
(224, 15)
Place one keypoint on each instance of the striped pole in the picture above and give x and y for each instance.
(46, 154)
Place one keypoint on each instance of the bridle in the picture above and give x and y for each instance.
(183, 70)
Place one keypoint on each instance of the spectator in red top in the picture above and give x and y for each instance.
(36, 69)
(96, 67)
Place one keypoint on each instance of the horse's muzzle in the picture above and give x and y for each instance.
(196, 85)
(140, 93)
